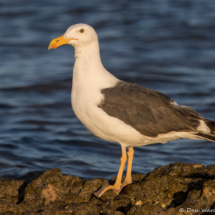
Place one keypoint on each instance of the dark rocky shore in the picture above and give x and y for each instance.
(173, 189)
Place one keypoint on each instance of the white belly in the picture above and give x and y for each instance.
(99, 123)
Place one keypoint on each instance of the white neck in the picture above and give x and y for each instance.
(89, 70)
(89, 49)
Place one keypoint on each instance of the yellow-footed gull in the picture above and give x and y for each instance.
(126, 113)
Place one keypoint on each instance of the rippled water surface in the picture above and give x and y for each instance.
(165, 45)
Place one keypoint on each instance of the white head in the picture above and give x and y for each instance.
(78, 35)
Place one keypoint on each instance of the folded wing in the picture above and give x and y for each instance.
(148, 111)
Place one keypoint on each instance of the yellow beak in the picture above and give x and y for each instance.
(59, 41)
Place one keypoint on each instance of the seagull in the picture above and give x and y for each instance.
(126, 113)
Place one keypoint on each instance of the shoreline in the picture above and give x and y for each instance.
(172, 189)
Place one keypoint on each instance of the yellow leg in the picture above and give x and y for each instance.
(117, 185)
(128, 178)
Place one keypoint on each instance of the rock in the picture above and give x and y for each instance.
(149, 209)
(10, 194)
(172, 189)
(9, 190)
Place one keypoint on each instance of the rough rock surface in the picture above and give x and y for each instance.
(173, 189)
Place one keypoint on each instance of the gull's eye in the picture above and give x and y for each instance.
(81, 30)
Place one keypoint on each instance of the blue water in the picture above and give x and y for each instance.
(165, 45)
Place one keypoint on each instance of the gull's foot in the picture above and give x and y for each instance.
(99, 192)
(125, 183)
(117, 188)
(103, 189)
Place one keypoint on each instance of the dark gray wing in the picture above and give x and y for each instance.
(148, 111)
